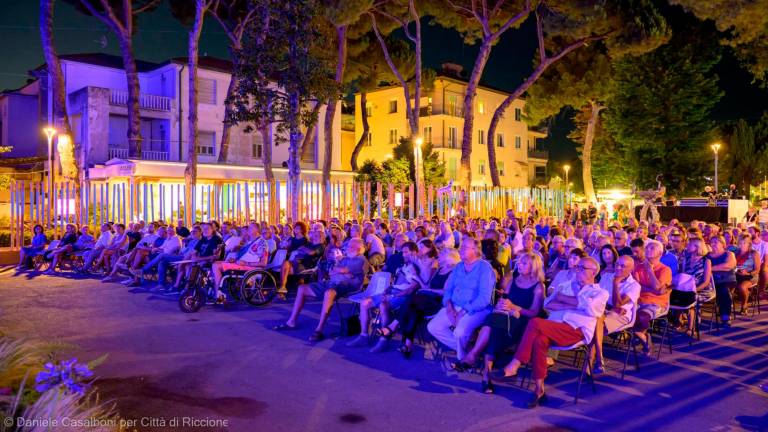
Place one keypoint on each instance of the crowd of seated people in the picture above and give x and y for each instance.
(481, 287)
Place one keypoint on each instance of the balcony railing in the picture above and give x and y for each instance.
(146, 101)
(122, 153)
(451, 110)
(538, 154)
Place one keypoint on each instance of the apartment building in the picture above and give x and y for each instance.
(96, 102)
(519, 159)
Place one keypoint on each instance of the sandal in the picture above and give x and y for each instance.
(460, 366)
(317, 336)
(283, 327)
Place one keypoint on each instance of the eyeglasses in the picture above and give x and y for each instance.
(582, 268)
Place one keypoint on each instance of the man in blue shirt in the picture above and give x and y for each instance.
(467, 299)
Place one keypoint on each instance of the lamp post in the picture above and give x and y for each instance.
(716, 148)
(417, 168)
(50, 132)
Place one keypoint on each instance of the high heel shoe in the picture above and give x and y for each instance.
(537, 400)
(405, 351)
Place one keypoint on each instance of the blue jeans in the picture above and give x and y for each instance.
(162, 261)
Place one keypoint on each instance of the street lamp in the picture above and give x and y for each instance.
(417, 168)
(716, 148)
(50, 132)
(566, 168)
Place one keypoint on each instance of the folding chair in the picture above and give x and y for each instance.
(586, 367)
(754, 294)
(377, 285)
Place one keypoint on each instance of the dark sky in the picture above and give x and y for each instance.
(161, 37)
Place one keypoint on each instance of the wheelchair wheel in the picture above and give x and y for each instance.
(258, 288)
(191, 300)
(232, 286)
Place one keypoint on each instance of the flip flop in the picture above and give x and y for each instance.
(317, 336)
(283, 327)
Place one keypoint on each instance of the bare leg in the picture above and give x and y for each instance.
(743, 293)
(298, 303)
(365, 316)
(330, 296)
(599, 332)
(285, 271)
(482, 341)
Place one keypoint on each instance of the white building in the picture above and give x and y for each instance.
(96, 102)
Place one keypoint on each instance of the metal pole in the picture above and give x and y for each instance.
(716, 189)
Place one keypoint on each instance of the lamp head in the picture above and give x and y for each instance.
(49, 132)
(716, 147)
(419, 141)
(567, 168)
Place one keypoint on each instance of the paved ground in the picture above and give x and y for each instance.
(227, 365)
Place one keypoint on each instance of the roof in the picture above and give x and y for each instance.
(441, 76)
(106, 60)
(205, 62)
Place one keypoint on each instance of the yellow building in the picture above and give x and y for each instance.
(520, 162)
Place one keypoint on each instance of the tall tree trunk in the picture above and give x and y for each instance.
(330, 114)
(586, 154)
(310, 134)
(269, 175)
(190, 172)
(366, 128)
(228, 107)
(465, 172)
(294, 167)
(132, 78)
(61, 119)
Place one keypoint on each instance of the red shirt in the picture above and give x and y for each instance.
(647, 295)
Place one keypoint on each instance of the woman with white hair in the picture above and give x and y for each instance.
(445, 239)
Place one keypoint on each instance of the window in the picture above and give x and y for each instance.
(453, 105)
(540, 172)
(206, 143)
(206, 91)
(452, 135)
(428, 135)
(481, 137)
(480, 107)
(500, 167)
(393, 106)
(481, 167)
(257, 145)
(452, 168)
(518, 142)
(368, 140)
(499, 140)
(393, 136)
(369, 110)
(518, 114)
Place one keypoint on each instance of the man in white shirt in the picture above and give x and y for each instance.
(171, 246)
(623, 291)
(762, 214)
(574, 309)
(374, 246)
(101, 243)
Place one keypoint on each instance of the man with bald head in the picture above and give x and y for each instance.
(574, 308)
(623, 292)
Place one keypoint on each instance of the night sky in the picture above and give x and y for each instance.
(161, 37)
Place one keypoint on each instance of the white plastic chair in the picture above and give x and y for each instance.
(278, 259)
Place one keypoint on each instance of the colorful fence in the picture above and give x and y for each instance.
(241, 201)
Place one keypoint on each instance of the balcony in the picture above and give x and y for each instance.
(538, 154)
(450, 110)
(122, 153)
(146, 101)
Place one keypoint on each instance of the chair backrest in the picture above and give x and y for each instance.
(378, 284)
(278, 259)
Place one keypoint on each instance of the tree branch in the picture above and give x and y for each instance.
(108, 17)
(540, 38)
(514, 20)
(146, 6)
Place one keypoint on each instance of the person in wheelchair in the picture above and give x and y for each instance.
(252, 255)
(305, 257)
(346, 277)
(205, 251)
(39, 240)
(406, 281)
(81, 243)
